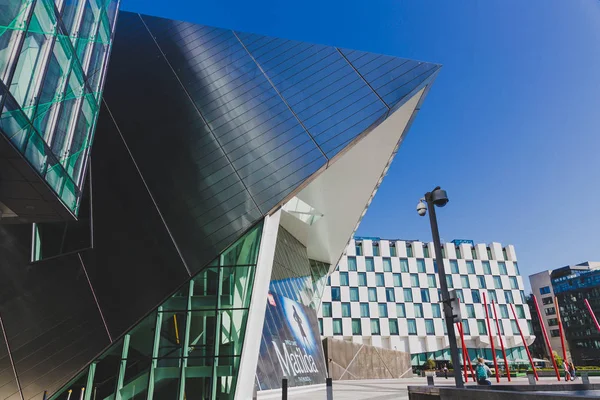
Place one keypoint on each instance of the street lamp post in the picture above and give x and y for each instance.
(438, 197)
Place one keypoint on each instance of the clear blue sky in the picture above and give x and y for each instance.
(511, 127)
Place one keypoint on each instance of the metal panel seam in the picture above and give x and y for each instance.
(199, 113)
(95, 298)
(280, 95)
(147, 188)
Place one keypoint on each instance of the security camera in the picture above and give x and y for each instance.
(421, 208)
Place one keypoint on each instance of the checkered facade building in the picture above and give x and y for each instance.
(385, 293)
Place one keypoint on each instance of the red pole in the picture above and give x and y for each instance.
(592, 313)
(466, 353)
(501, 341)
(560, 330)
(462, 341)
(524, 343)
(537, 307)
(487, 319)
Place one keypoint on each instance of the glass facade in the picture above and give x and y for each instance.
(52, 62)
(190, 347)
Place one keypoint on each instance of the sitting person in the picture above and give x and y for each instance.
(482, 372)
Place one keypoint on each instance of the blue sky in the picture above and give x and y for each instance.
(511, 127)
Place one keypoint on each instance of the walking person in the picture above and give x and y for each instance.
(482, 372)
(446, 371)
(566, 369)
(572, 371)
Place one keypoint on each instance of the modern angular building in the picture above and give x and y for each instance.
(385, 293)
(569, 286)
(184, 256)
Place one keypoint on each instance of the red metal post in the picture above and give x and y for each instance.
(560, 330)
(466, 353)
(537, 307)
(487, 319)
(501, 341)
(524, 343)
(592, 313)
(462, 341)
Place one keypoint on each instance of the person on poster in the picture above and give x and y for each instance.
(298, 320)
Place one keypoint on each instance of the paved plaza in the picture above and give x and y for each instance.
(383, 389)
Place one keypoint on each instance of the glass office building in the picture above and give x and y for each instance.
(53, 55)
(209, 212)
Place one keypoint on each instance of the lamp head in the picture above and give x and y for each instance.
(439, 197)
(421, 208)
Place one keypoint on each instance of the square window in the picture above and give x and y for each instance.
(400, 311)
(459, 294)
(550, 311)
(420, 265)
(513, 282)
(418, 310)
(383, 311)
(502, 267)
(517, 268)
(475, 295)
(457, 250)
(425, 250)
(335, 293)
(486, 267)
(387, 265)
(397, 280)
(370, 264)
(470, 310)
(474, 253)
(351, 263)
(553, 332)
(344, 279)
(547, 300)
(520, 311)
(393, 327)
(379, 281)
(515, 327)
(497, 282)
(425, 296)
(375, 327)
(414, 280)
(375, 249)
(326, 309)
(481, 281)
(403, 265)
(429, 327)
(481, 327)
(364, 310)
(356, 327)
(412, 326)
(393, 250)
(346, 310)
(337, 326)
(409, 250)
(362, 279)
(354, 294)
(372, 294)
(466, 327)
(358, 248)
(390, 295)
(504, 311)
(436, 311)
(492, 295)
(508, 296)
(449, 281)
(408, 297)
(454, 266)
(321, 326)
(464, 280)
(471, 267)
(431, 282)
(545, 290)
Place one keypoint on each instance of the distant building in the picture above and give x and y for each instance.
(385, 293)
(570, 285)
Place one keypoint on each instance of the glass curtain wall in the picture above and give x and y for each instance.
(52, 61)
(188, 348)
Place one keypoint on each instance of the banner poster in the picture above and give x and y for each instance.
(291, 346)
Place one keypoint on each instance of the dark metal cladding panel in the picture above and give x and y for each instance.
(134, 264)
(51, 319)
(198, 191)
